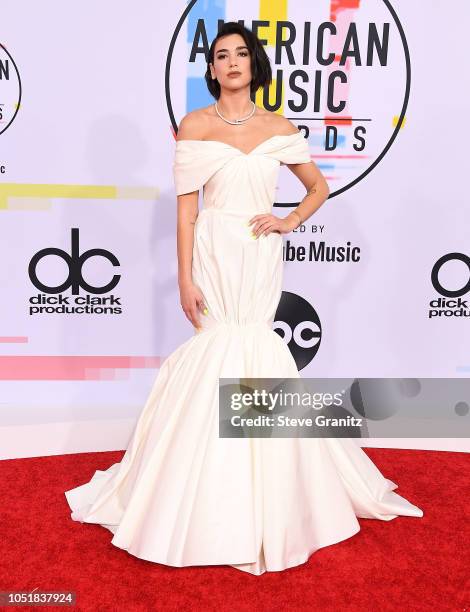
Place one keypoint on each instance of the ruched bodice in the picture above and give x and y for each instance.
(239, 277)
(232, 179)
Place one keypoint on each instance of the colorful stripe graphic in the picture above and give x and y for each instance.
(26, 196)
(73, 367)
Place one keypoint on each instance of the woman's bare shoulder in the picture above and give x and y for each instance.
(193, 126)
(278, 124)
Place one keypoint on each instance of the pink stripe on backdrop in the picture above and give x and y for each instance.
(8, 339)
(72, 367)
(339, 156)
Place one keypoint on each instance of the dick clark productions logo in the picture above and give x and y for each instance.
(51, 299)
(451, 303)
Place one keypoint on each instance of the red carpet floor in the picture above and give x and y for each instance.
(406, 564)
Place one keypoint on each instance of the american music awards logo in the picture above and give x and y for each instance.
(10, 89)
(85, 298)
(341, 73)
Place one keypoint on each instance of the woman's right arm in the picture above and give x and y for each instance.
(191, 298)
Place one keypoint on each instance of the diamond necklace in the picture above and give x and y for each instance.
(237, 121)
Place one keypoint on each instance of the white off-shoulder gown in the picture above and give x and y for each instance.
(183, 496)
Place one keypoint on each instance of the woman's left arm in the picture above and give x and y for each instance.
(317, 192)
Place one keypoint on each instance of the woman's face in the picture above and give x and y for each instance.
(231, 55)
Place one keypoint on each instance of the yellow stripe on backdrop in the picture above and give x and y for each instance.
(271, 11)
(24, 196)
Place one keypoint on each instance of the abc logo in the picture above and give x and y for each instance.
(298, 324)
(75, 263)
(435, 274)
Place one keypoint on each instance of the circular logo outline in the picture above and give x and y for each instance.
(21, 89)
(381, 155)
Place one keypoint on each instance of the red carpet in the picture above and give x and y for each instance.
(406, 564)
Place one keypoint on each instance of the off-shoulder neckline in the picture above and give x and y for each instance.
(226, 144)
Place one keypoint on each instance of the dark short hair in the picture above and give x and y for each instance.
(260, 66)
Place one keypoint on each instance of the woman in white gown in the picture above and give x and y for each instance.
(181, 495)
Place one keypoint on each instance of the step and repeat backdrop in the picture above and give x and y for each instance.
(376, 283)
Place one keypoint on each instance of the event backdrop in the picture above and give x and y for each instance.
(376, 283)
